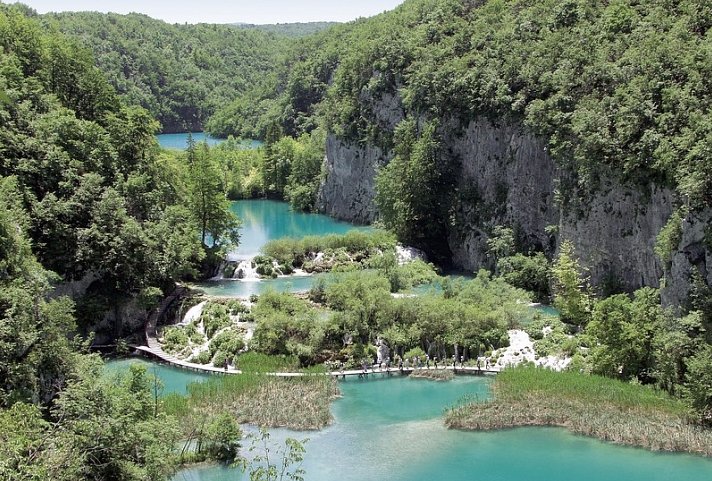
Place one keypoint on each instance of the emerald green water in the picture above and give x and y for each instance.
(263, 221)
(235, 288)
(173, 379)
(391, 429)
(266, 220)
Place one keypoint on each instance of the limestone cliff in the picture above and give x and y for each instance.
(694, 253)
(505, 176)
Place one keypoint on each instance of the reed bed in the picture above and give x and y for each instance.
(432, 374)
(300, 403)
(593, 406)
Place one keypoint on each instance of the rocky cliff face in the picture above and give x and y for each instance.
(694, 253)
(506, 177)
(348, 188)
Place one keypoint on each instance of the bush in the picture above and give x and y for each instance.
(236, 307)
(220, 358)
(215, 317)
(415, 352)
(230, 342)
(203, 357)
(174, 339)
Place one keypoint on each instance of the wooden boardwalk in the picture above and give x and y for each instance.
(155, 351)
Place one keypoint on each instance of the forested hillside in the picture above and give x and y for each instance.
(601, 101)
(86, 208)
(180, 73)
(294, 30)
(100, 208)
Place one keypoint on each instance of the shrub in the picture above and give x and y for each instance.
(174, 339)
(215, 317)
(203, 357)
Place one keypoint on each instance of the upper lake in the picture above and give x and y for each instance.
(180, 141)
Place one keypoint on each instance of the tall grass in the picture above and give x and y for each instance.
(520, 383)
(255, 397)
(260, 363)
(589, 405)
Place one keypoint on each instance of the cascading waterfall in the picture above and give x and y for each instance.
(193, 313)
(246, 271)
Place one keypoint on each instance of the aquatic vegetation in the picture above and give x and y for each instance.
(607, 409)
(433, 374)
(301, 403)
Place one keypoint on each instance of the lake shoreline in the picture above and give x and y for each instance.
(642, 424)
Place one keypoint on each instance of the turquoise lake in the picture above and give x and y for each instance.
(265, 220)
(391, 428)
(175, 380)
(180, 141)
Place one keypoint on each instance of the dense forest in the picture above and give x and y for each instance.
(628, 100)
(294, 30)
(630, 96)
(92, 209)
(180, 73)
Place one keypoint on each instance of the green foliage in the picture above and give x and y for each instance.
(501, 243)
(98, 428)
(276, 463)
(226, 346)
(255, 362)
(358, 245)
(698, 388)
(531, 273)
(208, 203)
(36, 347)
(292, 30)
(287, 326)
(215, 317)
(202, 67)
(591, 390)
(175, 339)
(222, 436)
(624, 331)
(569, 286)
(85, 166)
(412, 190)
(669, 238)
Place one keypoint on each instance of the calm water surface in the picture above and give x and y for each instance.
(174, 380)
(266, 220)
(180, 141)
(391, 429)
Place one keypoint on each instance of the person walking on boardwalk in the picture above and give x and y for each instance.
(435, 361)
(454, 362)
(427, 361)
(462, 361)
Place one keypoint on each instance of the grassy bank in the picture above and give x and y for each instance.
(589, 405)
(299, 403)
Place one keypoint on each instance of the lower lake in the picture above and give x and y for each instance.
(392, 428)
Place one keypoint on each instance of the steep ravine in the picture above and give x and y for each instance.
(506, 177)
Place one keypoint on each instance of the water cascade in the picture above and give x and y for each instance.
(193, 313)
(246, 271)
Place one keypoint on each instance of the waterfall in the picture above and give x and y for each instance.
(246, 271)
(193, 313)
